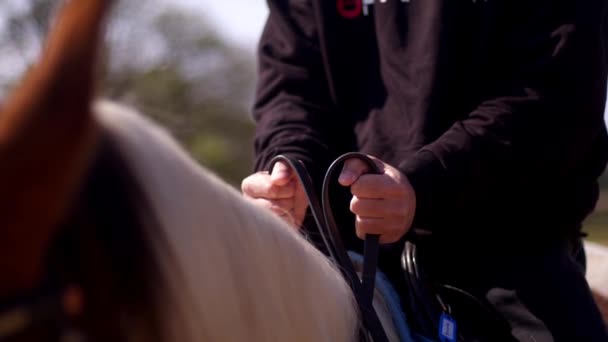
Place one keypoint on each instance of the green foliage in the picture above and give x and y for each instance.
(171, 66)
(196, 86)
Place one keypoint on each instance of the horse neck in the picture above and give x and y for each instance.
(597, 274)
(233, 271)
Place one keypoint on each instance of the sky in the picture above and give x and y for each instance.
(239, 21)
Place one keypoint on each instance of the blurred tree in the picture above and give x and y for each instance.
(191, 82)
(165, 62)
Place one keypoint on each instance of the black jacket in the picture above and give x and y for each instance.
(492, 108)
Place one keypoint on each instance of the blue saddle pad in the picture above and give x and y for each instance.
(392, 301)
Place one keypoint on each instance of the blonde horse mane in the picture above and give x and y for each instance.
(597, 274)
(234, 272)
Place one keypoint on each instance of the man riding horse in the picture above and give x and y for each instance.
(486, 121)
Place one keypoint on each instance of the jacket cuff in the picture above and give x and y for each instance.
(428, 178)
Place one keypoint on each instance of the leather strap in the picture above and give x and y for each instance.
(371, 245)
(363, 289)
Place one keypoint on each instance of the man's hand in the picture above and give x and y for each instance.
(384, 204)
(279, 191)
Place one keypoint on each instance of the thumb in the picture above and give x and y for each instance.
(281, 174)
(351, 171)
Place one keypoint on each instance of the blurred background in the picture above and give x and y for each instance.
(188, 64)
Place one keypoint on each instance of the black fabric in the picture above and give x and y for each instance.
(493, 109)
(542, 294)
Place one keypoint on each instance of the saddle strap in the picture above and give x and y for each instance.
(363, 290)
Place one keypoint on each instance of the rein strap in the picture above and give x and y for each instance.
(363, 289)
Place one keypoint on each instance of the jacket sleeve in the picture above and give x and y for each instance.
(293, 108)
(541, 124)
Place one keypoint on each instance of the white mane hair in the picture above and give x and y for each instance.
(597, 267)
(235, 272)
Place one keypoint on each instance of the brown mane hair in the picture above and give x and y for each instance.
(70, 210)
(47, 135)
(103, 247)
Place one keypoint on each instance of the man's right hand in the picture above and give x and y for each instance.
(279, 191)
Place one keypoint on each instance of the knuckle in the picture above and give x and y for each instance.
(365, 225)
(354, 188)
(246, 185)
(354, 164)
(255, 185)
(290, 189)
(358, 188)
(370, 185)
(277, 191)
(278, 204)
(271, 192)
(355, 205)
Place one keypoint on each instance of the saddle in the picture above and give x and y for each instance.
(425, 309)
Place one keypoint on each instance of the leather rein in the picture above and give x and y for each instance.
(363, 289)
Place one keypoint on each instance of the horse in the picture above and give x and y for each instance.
(597, 274)
(111, 231)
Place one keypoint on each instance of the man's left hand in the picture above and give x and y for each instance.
(384, 204)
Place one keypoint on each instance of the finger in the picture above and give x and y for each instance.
(281, 174)
(287, 215)
(369, 225)
(377, 186)
(290, 219)
(300, 203)
(369, 186)
(351, 171)
(388, 230)
(280, 207)
(378, 207)
(379, 163)
(259, 185)
(260, 202)
(368, 207)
